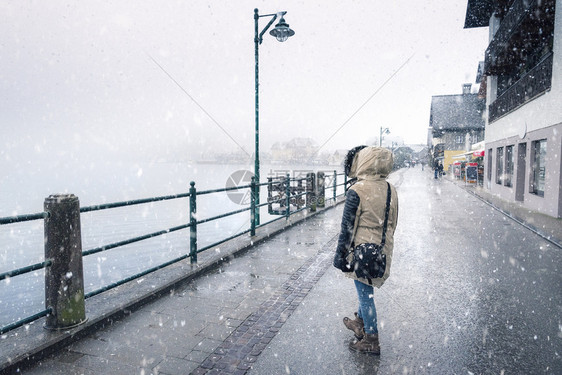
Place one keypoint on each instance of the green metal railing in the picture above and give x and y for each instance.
(193, 223)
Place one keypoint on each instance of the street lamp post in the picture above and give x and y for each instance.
(282, 32)
(383, 131)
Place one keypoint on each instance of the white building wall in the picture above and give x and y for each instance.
(541, 118)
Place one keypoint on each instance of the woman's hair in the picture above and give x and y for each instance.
(348, 161)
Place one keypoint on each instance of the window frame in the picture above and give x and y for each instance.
(538, 165)
(509, 166)
(499, 166)
(490, 153)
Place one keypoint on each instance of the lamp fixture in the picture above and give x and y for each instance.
(282, 31)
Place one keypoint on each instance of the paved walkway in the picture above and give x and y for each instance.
(471, 292)
(231, 313)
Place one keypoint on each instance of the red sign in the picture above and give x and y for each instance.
(478, 153)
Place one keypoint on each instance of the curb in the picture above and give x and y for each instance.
(490, 201)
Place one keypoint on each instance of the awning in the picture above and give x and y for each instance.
(473, 153)
(462, 156)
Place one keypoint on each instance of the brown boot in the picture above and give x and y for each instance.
(355, 325)
(369, 345)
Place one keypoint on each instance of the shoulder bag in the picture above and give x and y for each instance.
(369, 262)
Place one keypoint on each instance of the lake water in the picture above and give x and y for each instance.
(24, 187)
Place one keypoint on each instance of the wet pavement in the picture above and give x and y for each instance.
(471, 292)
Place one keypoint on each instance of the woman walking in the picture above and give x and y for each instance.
(369, 219)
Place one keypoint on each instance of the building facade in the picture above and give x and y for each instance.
(296, 150)
(523, 70)
(456, 122)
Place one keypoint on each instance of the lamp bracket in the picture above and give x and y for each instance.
(274, 15)
(260, 38)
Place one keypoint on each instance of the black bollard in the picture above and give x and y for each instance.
(64, 278)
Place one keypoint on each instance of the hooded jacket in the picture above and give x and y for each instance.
(365, 206)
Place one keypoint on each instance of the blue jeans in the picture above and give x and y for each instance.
(367, 310)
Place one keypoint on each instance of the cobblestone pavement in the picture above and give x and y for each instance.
(241, 349)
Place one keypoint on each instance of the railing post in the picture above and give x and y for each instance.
(321, 190)
(288, 194)
(257, 197)
(344, 185)
(269, 195)
(193, 222)
(64, 279)
(335, 184)
(311, 191)
(297, 191)
(253, 207)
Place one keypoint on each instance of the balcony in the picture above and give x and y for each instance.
(498, 54)
(527, 25)
(534, 83)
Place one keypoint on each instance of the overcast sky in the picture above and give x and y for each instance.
(92, 79)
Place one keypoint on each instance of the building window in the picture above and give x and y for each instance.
(499, 165)
(459, 139)
(509, 162)
(538, 172)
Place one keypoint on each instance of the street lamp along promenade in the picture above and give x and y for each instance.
(282, 32)
(382, 133)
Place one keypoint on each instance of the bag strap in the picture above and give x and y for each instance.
(387, 210)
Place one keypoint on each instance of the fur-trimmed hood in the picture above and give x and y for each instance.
(372, 163)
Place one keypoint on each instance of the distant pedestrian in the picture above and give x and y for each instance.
(440, 168)
(436, 169)
(362, 223)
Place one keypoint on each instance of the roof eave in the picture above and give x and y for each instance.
(478, 13)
